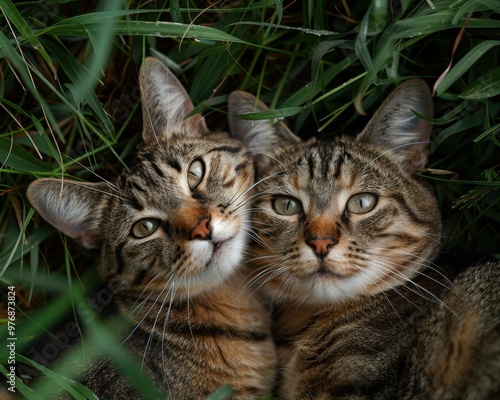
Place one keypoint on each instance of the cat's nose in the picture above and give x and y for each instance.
(202, 230)
(322, 246)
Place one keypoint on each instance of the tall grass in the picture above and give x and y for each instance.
(69, 104)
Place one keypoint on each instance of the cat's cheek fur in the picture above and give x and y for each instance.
(230, 253)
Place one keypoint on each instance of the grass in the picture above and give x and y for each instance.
(69, 105)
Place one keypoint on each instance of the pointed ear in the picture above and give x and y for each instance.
(262, 137)
(72, 207)
(395, 128)
(165, 103)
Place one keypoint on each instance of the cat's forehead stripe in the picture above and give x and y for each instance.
(310, 163)
(240, 166)
(227, 149)
(133, 202)
(154, 163)
(174, 163)
(136, 186)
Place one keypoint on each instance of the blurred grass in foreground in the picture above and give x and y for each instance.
(69, 102)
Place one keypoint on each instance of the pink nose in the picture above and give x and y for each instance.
(322, 246)
(202, 231)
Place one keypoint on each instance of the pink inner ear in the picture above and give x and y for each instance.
(196, 122)
(73, 225)
(90, 239)
(412, 160)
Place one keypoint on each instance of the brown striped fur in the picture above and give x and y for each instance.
(348, 234)
(173, 249)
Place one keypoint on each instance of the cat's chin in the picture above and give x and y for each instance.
(324, 287)
(331, 288)
(220, 259)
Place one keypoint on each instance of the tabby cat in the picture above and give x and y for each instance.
(171, 233)
(348, 240)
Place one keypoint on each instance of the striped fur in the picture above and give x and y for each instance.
(373, 251)
(172, 232)
(347, 237)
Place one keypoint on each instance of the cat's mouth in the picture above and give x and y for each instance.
(327, 269)
(219, 248)
(322, 271)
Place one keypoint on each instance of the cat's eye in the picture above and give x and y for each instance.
(196, 173)
(286, 205)
(362, 203)
(145, 227)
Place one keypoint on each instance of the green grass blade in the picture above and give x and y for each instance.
(14, 16)
(24, 390)
(361, 46)
(310, 90)
(465, 63)
(27, 78)
(272, 114)
(224, 392)
(321, 50)
(307, 31)
(142, 28)
(77, 390)
(487, 86)
(490, 133)
(17, 158)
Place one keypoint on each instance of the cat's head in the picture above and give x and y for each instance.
(177, 219)
(346, 217)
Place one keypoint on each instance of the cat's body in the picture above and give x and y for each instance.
(437, 340)
(171, 233)
(348, 234)
(221, 338)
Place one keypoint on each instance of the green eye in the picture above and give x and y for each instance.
(196, 173)
(361, 203)
(145, 227)
(286, 205)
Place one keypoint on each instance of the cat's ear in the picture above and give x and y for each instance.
(72, 207)
(262, 137)
(397, 130)
(165, 104)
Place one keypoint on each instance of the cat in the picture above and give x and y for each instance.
(348, 240)
(171, 232)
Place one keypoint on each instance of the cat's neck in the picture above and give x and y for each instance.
(292, 318)
(233, 303)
